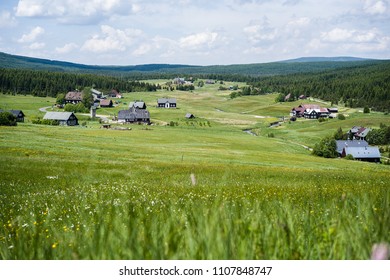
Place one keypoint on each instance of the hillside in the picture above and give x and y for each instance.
(197, 189)
(255, 69)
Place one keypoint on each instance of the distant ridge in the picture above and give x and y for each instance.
(291, 66)
(327, 59)
(17, 61)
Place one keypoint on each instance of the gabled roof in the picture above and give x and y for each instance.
(166, 100)
(138, 104)
(105, 102)
(341, 144)
(133, 114)
(363, 152)
(16, 113)
(74, 95)
(61, 116)
(362, 132)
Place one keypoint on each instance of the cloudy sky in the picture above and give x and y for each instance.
(197, 32)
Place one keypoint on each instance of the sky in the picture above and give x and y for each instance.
(199, 32)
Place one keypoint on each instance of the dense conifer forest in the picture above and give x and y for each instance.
(361, 86)
(45, 83)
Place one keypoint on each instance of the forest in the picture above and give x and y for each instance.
(47, 83)
(360, 86)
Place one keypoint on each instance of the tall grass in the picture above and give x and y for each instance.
(130, 220)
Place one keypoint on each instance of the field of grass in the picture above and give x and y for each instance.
(202, 189)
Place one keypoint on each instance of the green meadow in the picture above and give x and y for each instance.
(197, 189)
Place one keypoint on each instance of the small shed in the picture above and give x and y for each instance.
(190, 116)
(64, 118)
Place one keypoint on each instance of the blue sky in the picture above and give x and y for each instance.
(200, 32)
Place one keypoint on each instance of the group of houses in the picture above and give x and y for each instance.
(357, 146)
(100, 99)
(313, 111)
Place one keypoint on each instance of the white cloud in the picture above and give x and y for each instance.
(6, 20)
(32, 36)
(37, 46)
(111, 39)
(68, 8)
(199, 41)
(260, 33)
(339, 35)
(142, 50)
(374, 7)
(67, 48)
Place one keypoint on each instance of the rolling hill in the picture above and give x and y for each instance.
(256, 69)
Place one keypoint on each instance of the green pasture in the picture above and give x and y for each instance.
(202, 189)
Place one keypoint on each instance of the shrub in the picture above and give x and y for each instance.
(326, 148)
(349, 157)
(45, 122)
(7, 119)
(341, 117)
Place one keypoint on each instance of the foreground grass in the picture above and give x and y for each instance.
(77, 193)
(129, 220)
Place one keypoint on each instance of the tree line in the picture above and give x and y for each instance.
(45, 83)
(363, 86)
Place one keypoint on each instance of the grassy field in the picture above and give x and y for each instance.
(202, 189)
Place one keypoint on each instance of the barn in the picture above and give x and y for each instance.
(64, 118)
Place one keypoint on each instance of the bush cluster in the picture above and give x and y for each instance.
(7, 119)
(45, 122)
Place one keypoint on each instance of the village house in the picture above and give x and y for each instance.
(166, 103)
(134, 115)
(139, 104)
(18, 114)
(74, 97)
(310, 111)
(114, 93)
(367, 153)
(316, 113)
(341, 144)
(64, 118)
(358, 133)
(106, 103)
(96, 94)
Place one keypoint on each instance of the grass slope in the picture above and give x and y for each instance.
(203, 189)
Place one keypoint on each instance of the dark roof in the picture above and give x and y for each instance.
(16, 113)
(341, 144)
(133, 114)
